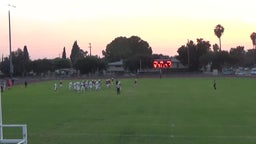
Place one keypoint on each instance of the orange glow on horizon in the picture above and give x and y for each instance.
(48, 26)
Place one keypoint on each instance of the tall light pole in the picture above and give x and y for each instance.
(90, 47)
(11, 72)
(10, 40)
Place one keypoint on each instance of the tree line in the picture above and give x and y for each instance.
(24, 66)
(136, 53)
(198, 55)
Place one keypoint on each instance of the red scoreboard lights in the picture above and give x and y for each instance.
(162, 63)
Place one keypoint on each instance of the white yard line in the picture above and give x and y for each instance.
(152, 135)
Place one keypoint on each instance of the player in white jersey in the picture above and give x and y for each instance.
(78, 86)
(118, 87)
(97, 85)
(55, 86)
(90, 85)
(83, 86)
(70, 84)
(74, 85)
(108, 82)
(87, 85)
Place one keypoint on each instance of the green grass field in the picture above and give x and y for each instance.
(157, 111)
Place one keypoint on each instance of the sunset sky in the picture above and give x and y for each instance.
(47, 26)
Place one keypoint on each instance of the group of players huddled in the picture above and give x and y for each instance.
(84, 85)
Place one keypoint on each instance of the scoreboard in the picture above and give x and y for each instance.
(162, 63)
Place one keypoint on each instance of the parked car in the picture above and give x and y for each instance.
(253, 71)
(228, 71)
(240, 73)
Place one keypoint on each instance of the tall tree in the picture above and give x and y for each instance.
(64, 53)
(131, 50)
(60, 63)
(17, 59)
(76, 53)
(253, 38)
(237, 55)
(26, 61)
(183, 54)
(187, 54)
(123, 48)
(18, 62)
(5, 66)
(118, 49)
(219, 29)
(191, 53)
(215, 48)
(26, 54)
(250, 57)
(90, 64)
(42, 66)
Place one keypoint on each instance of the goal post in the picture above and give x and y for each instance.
(22, 140)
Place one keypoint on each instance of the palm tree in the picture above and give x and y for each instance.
(253, 38)
(219, 29)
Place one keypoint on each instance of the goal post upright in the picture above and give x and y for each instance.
(1, 120)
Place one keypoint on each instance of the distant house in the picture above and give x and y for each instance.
(116, 67)
(177, 64)
(66, 72)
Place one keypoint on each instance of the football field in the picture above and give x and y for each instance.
(156, 111)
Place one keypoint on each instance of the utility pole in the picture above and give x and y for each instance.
(90, 47)
(1, 119)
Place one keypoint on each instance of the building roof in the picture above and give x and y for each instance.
(175, 60)
(117, 63)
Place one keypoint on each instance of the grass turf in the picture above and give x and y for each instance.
(169, 110)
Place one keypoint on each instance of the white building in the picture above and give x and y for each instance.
(116, 67)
